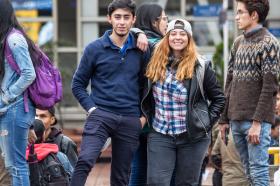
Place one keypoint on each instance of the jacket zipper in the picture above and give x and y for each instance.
(198, 116)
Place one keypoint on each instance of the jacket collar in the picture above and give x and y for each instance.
(107, 42)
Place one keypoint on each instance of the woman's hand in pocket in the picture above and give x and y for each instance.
(143, 121)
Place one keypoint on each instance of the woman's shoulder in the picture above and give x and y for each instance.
(16, 39)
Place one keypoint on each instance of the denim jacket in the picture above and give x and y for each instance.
(13, 85)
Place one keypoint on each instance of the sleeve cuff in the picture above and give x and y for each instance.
(91, 110)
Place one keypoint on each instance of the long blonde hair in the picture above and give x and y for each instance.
(156, 69)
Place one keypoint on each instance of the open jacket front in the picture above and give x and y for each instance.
(202, 112)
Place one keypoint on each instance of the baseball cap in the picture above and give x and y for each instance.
(179, 24)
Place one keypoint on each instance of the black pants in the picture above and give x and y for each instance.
(124, 132)
(217, 178)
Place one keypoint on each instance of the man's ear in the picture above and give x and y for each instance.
(134, 19)
(52, 120)
(109, 19)
(255, 16)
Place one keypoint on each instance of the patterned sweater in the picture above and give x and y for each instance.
(251, 85)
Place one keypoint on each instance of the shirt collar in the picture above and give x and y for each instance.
(107, 42)
(253, 31)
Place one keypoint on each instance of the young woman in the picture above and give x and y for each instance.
(151, 19)
(182, 101)
(14, 121)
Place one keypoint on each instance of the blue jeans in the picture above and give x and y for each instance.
(14, 127)
(124, 132)
(166, 153)
(253, 157)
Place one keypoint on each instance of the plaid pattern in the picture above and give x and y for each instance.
(171, 105)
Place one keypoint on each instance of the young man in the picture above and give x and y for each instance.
(251, 89)
(54, 135)
(114, 65)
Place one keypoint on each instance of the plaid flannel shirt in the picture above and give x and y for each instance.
(171, 105)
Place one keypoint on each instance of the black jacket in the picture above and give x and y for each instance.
(202, 113)
(65, 145)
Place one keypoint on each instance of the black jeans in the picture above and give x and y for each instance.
(124, 132)
(165, 151)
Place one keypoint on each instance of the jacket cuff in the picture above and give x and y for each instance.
(223, 120)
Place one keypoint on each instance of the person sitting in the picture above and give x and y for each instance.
(54, 135)
(39, 129)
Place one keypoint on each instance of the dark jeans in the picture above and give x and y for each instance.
(165, 151)
(124, 132)
(138, 175)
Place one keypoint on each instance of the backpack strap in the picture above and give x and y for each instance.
(10, 59)
(59, 140)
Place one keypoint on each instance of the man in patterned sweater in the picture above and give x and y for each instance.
(251, 89)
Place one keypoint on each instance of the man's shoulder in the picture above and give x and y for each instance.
(98, 43)
(66, 139)
(237, 41)
(270, 39)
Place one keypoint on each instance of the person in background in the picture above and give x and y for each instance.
(231, 165)
(54, 135)
(176, 105)
(275, 132)
(251, 89)
(152, 20)
(40, 132)
(277, 106)
(215, 159)
(14, 127)
(274, 142)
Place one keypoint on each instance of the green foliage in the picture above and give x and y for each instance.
(218, 60)
(219, 63)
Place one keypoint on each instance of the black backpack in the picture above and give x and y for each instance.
(47, 172)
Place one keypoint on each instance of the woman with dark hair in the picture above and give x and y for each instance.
(151, 19)
(14, 120)
(182, 101)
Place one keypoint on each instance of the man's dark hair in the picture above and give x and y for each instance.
(260, 6)
(39, 130)
(123, 4)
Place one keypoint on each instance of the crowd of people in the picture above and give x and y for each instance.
(155, 97)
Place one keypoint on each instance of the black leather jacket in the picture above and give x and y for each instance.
(202, 113)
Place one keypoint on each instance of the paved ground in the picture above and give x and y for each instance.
(100, 176)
